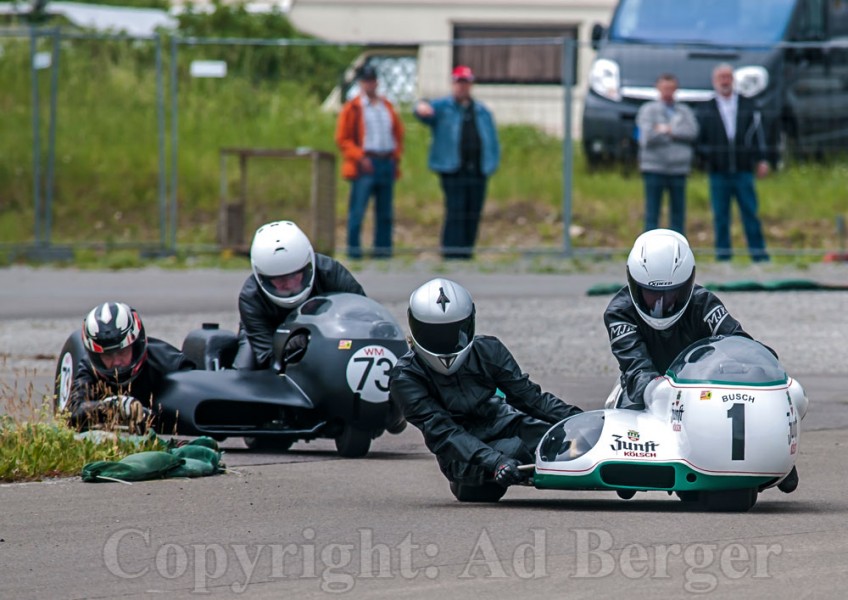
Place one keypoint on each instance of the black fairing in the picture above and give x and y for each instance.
(306, 399)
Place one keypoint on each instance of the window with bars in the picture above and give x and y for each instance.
(496, 53)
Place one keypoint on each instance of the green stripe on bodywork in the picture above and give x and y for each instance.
(702, 482)
(709, 382)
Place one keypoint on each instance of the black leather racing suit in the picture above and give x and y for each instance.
(88, 390)
(465, 424)
(644, 353)
(260, 317)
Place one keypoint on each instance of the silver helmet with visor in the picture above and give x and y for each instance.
(441, 320)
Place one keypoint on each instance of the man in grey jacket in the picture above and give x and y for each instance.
(667, 130)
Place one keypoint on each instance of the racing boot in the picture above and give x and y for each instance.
(790, 482)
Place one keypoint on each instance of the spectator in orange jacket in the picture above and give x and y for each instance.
(370, 137)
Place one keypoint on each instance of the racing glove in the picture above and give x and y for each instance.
(131, 411)
(295, 348)
(507, 472)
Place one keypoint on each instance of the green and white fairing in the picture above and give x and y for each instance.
(724, 417)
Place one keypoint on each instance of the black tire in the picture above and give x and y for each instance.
(488, 492)
(729, 500)
(268, 444)
(688, 496)
(66, 369)
(625, 494)
(353, 442)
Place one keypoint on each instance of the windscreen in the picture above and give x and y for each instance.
(573, 437)
(713, 22)
(732, 359)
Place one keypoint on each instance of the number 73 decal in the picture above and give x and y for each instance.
(368, 372)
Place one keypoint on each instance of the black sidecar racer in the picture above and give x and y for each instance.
(337, 386)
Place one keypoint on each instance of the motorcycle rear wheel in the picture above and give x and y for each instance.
(729, 500)
(353, 442)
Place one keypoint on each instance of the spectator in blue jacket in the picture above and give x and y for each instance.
(464, 151)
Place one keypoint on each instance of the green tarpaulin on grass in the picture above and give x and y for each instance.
(198, 458)
(778, 285)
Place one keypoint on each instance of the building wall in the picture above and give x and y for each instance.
(429, 23)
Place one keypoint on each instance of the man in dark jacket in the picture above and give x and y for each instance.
(733, 146)
(123, 372)
(286, 273)
(448, 388)
(658, 314)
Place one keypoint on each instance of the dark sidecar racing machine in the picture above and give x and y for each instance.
(336, 387)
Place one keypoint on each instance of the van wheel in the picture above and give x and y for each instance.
(268, 444)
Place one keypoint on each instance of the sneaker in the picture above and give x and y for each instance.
(789, 483)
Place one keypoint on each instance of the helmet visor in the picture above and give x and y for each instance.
(664, 302)
(119, 365)
(442, 338)
(289, 285)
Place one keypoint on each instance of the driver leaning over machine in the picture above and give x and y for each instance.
(659, 313)
(286, 273)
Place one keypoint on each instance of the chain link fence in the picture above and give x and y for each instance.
(113, 141)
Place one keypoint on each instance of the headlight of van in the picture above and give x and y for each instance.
(750, 81)
(604, 79)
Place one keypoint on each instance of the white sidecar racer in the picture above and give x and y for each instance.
(721, 427)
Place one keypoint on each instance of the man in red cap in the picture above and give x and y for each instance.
(465, 152)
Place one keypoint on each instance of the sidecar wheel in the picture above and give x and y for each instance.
(488, 492)
(353, 442)
(272, 444)
(687, 496)
(729, 500)
(66, 369)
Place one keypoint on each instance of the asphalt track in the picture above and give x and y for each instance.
(307, 524)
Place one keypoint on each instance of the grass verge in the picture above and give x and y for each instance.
(36, 445)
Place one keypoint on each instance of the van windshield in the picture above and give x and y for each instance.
(711, 22)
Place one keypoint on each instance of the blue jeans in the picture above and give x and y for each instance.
(655, 184)
(741, 185)
(379, 184)
(464, 198)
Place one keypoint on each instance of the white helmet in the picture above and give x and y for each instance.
(283, 262)
(441, 320)
(661, 277)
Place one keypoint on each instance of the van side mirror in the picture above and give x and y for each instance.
(598, 32)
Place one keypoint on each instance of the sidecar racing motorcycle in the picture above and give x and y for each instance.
(721, 427)
(335, 387)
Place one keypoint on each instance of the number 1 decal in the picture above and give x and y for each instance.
(736, 414)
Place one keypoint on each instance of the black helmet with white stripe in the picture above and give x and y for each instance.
(114, 338)
(441, 320)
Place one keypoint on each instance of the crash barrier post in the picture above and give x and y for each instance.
(322, 196)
